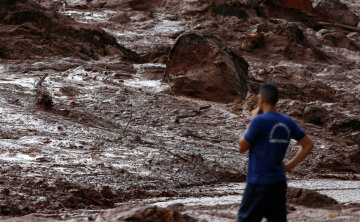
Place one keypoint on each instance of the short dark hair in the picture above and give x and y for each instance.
(269, 92)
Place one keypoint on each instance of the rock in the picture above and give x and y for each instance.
(201, 66)
(143, 214)
(309, 198)
(335, 11)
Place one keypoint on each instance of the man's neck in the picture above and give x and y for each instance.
(269, 109)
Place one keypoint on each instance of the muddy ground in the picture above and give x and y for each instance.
(112, 133)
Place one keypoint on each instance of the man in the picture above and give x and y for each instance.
(267, 138)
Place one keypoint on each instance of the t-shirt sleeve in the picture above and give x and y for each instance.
(297, 133)
(253, 131)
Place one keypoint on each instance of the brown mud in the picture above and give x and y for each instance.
(201, 66)
(28, 31)
(104, 130)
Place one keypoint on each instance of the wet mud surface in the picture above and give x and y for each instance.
(111, 132)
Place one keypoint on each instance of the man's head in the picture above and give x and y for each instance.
(268, 95)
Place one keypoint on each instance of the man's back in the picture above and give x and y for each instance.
(267, 138)
(269, 135)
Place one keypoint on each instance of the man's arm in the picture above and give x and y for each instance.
(306, 148)
(243, 145)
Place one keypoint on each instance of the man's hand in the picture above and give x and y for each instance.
(243, 144)
(286, 167)
(256, 112)
(307, 146)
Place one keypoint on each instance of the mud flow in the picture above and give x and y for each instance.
(132, 109)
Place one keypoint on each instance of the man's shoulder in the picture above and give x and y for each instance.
(260, 117)
(272, 114)
(277, 117)
(285, 117)
(290, 122)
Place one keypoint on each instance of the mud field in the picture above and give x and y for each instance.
(89, 123)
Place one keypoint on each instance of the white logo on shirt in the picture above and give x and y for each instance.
(278, 140)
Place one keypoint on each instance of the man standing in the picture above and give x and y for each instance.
(267, 137)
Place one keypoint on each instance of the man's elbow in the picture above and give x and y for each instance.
(243, 145)
(242, 149)
(307, 144)
(311, 146)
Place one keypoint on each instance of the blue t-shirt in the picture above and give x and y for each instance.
(269, 135)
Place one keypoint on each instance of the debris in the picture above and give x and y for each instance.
(202, 66)
(43, 98)
(332, 215)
